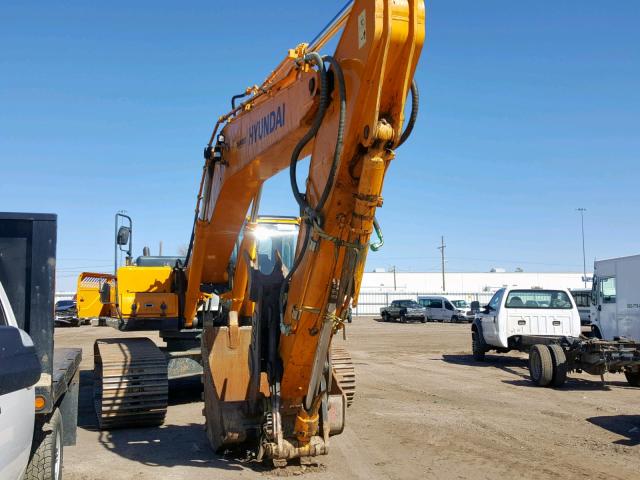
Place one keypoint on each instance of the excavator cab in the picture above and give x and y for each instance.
(275, 236)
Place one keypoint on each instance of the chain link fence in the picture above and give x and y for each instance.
(370, 303)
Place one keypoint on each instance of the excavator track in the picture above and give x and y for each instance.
(130, 383)
(344, 371)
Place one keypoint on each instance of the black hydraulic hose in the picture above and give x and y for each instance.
(237, 97)
(315, 126)
(305, 208)
(337, 153)
(294, 267)
(415, 103)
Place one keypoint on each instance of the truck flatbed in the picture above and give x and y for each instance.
(65, 365)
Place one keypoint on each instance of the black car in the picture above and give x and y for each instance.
(66, 313)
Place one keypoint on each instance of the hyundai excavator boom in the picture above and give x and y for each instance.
(268, 369)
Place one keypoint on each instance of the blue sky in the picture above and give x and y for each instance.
(529, 110)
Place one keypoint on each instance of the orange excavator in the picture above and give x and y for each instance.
(269, 375)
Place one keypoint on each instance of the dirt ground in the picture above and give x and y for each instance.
(423, 409)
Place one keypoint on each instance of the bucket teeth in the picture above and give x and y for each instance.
(130, 383)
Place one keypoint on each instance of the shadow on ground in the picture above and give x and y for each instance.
(577, 384)
(518, 367)
(167, 445)
(505, 363)
(623, 425)
(182, 390)
(380, 320)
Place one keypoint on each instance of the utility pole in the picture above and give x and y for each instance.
(584, 260)
(160, 249)
(441, 248)
(394, 278)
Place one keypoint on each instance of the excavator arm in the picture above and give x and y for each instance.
(272, 379)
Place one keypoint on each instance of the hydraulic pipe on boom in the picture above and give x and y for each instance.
(270, 377)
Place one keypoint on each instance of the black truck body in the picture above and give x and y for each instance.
(27, 272)
(403, 311)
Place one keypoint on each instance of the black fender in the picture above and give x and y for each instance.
(476, 326)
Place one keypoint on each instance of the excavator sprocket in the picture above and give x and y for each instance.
(344, 371)
(130, 383)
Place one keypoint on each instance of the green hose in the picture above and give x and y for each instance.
(377, 245)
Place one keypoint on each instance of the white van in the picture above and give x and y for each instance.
(440, 309)
(616, 298)
(514, 313)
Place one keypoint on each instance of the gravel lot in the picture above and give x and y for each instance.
(423, 409)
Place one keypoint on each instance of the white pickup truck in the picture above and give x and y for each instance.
(514, 313)
(546, 324)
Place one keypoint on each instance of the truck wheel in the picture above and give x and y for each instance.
(402, 319)
(559, 360)
(633, 378)
(45, 461)
(477, 347)
(540, 365)
(423, 320)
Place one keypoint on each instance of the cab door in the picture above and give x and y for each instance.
(489, 319)
(17, 414)
(426, 303)
(449, 311)
(436, 307)
(605, 313)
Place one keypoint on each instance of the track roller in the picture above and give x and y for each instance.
(130, 383)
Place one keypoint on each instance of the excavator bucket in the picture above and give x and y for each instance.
(227, 379)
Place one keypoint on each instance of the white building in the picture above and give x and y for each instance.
(379, 288)
(473, 282)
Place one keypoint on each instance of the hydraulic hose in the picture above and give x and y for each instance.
(237, 97)
(305, 208)
(378, 245)
(415, 103)
(337, 153)
(294, 267)
(315, 126)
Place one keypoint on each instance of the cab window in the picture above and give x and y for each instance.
(494, 303)
(546, 299)
(448, 305)
(608, 289)
(435, 303)
(582, 299)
